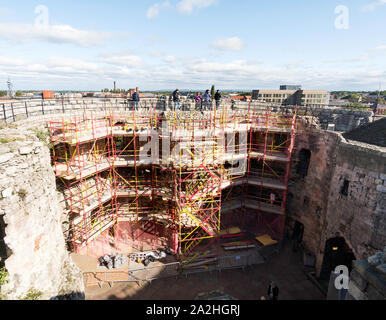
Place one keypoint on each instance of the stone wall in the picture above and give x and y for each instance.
(317, 200)
(33, 247)
(368, 278)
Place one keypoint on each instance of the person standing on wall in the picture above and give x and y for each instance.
(207, 100)
(176, 99)
(273, 291)
(135, 98)
(217, 97)
(198, 101)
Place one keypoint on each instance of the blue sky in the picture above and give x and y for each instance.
(192, 44)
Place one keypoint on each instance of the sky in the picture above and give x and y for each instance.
(192, 44)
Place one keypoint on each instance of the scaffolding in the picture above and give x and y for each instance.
(140, 180)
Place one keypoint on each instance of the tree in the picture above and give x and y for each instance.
(3, 93)
(18, 93)
(212, 90)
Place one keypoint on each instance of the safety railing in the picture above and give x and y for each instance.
(168, 270)
(150, 273)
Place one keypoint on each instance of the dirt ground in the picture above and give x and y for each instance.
(285, 268)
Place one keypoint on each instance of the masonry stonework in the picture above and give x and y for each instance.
(33, 251)
(318, 202)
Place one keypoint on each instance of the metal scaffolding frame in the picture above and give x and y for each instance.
(180, 195)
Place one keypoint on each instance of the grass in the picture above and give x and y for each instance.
(3, 276)
(9, 139)
(41, 134)
(22, 193)
(32, 294)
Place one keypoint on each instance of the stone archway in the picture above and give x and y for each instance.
(336, 252)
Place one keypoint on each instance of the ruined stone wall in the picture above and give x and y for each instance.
(360, 216)
(33, 250)
(368, 278)
(309, 195)
(317, 200)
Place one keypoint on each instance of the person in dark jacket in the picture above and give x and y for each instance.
(176, 99)
(217, 97)
(135, 98)
(206, 100)
(273, 291)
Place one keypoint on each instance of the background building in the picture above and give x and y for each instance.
(293, 97)
(290, 87)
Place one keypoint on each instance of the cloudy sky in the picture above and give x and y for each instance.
(191, 44)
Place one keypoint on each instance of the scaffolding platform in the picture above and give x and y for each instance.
(119, 190)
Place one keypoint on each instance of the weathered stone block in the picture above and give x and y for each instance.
(355, 292)
(4, 149)
(25, 150)
(373, 294)
(370, 274)
(6, 193)
(382, 270)
(5, 157)
(360, 282)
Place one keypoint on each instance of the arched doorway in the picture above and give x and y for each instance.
(336, 253)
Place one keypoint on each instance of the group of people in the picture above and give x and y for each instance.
(202, 102)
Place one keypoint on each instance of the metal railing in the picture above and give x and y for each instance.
(138, 275)
(168, 270)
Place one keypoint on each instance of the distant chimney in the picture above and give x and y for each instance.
(115, 86)
(136, 89)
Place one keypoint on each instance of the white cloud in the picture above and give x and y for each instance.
(154, 10)
(188, 6)
(183, 72)
(124, 59)
(52, 33)
(8, 61)
(372, 6)
(230, 44)
(380, 48)
(169, 59)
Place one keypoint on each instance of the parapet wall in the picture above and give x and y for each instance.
(331, 118)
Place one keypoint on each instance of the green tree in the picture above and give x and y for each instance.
(212, 90)
(18, 93)
(3, 93)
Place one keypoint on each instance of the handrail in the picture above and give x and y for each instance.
(12, 111)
